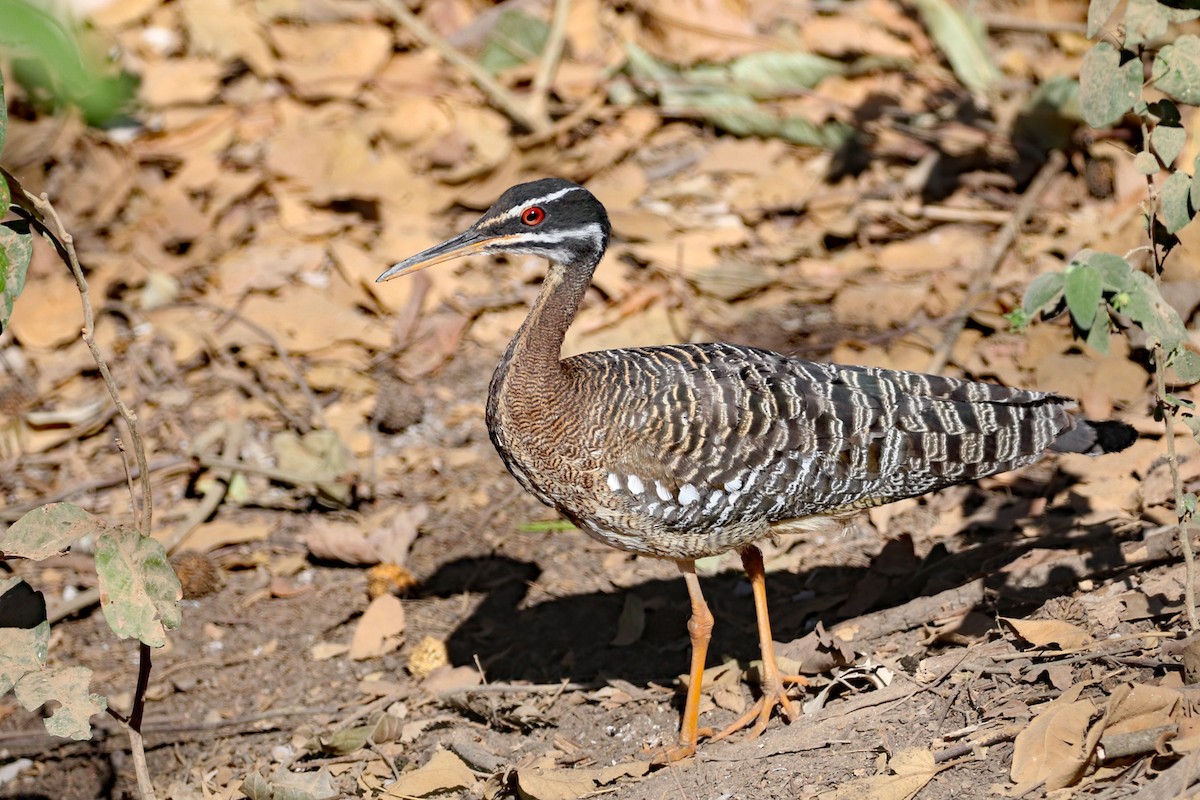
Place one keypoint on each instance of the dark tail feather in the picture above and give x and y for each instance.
(1095, 438)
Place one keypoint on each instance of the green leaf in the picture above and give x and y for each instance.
(1189, 505)
(963, 42)
(1110, 81)
(22, 650)
(1144, 20)
(1112, 268)
(516, 38)
(1082, 290)
(1168, 140)
(1042, 292)
(1153, 314)
(1175, 197)
(139, 592)
(1145, 163)
(1018, 319)
(722, 94)
(54, 69)
(48, 530)
(1176, 70)
(68, 686)
(1098, 336)
(1098, 13)
(1187, 366)
(773, 74)
(16, 250)
(3, 128)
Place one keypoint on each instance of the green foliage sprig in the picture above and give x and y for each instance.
(1105, 292)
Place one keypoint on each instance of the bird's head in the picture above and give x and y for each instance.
(552, 218)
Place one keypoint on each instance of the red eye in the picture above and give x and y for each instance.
(533, 216)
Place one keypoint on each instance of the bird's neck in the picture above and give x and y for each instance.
(531, 367)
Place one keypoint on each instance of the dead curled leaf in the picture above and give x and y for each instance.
(1056, 746)
(1048, 632)
(369, 541)
(444, 772)
(544, 783)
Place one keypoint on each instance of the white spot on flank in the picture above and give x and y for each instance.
(688, 494)
(635, 484)
(713, 501)
(662, 490)
(734, 485)
(614, 483)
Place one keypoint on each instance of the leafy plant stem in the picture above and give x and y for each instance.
(64, 245)
(1168, 416)
(1185, 529)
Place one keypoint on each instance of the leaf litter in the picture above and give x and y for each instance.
(290, 154)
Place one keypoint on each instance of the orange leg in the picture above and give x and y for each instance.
(700, 630)
(774, 690)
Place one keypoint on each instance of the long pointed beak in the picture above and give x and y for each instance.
(466, 243)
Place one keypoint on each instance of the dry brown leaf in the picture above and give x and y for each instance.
(267, 264)
(382, 537)
(1047, 632)
(227, 31)
(303, 318)
(1054, 747)
(119, 13)
(554, 784)
(330, 60)
(323, 651)
(224, 531)
(942, 248)
(444, 772)
(1138, 706)
(378, 631)
(49, 313)
(451, 679)
(181, 81)
(911, 770)
(871, 306)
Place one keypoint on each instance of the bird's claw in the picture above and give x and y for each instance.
(774, 695)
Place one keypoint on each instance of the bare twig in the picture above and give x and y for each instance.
(516, 110)
(551, 55)
(67, 244)
(982, 276)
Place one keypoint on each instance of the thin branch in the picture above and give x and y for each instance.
(551, 55)
(1168, 417)
(982, 278)
(517, 110)
(66, 246)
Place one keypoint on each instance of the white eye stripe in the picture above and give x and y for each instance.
(536, 201)
(590, 231)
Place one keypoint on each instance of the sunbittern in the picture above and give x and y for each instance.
(685, 451)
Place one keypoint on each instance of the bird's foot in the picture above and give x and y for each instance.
(669, 755)
(774, 695)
